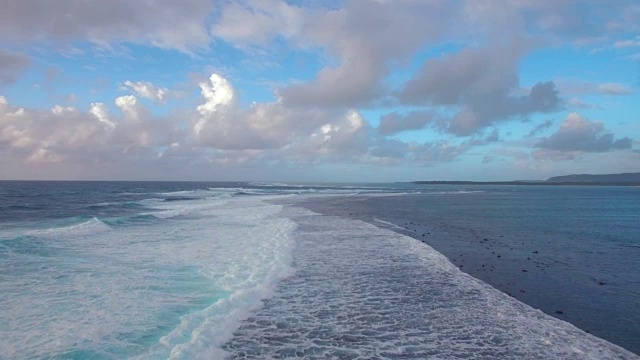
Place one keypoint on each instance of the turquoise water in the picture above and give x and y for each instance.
(110, 270)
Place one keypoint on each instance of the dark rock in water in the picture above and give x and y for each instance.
(559, 312)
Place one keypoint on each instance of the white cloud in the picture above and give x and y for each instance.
(72, 135)
(258, 21)
(578, 134)
(218, 93)
(614, 89)
(150, 91)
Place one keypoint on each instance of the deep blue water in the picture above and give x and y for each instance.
(175, 270)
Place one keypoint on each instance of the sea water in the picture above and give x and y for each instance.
(170, 278)
(107, 270)
(572, 252)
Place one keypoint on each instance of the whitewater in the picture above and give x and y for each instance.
(248, 273)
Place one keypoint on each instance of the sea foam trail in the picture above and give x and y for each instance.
(363, 292)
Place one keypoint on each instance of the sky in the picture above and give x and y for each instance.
(330, 91)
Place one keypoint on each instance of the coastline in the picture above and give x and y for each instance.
(529, 183)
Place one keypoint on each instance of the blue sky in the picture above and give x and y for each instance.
(357, 91)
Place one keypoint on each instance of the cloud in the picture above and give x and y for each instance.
(220, 122)
(11, 66)
(68, 134)
(460, 77)
(257, 22)
(481, 82)
(558, 20)
(487, 159)
(586, 87)
(360, 39)
(629, 43)
(161, 23)
(147, 90)
(344, 139)
(614, 89)
(390, 149)
(394, 122)
(440, 151)
(486, 109)
(576, 102)
(363, 40)
(578, 134)
(539, 128)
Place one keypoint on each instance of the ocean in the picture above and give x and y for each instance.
(208, 270)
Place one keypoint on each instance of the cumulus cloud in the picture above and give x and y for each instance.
(11, 66)
(221, 123)
(69, 134)
(578, 134)
(395, 122)
(162, 23)
(483, 83)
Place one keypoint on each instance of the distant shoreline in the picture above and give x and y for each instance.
(521, 183)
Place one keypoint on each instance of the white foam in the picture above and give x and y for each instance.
(389, 224)
(177, 193)
(111, 293)
(363, 292)
(89, 227)
(180, 208)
